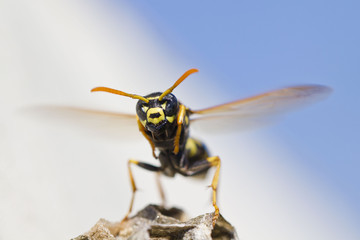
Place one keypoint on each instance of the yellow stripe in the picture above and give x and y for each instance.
(152, 98)
(191, 146)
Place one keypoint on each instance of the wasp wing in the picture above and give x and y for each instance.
(257, 110)
(101, 123)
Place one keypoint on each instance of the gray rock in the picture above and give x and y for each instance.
(155, 222)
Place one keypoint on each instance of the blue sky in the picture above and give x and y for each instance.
(253, 46)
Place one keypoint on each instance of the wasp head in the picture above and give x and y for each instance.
(156, 114)
(156, 111)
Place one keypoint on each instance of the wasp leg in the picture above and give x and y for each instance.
(215, 162)
(161, 189)
(132, 181)
(180, 119)
(142, 130)
(199, 167)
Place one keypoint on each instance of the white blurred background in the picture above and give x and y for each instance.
(296, 180)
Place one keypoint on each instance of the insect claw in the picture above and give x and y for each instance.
(126, 218)
(215, 217)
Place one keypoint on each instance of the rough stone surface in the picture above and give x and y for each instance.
(155, 222)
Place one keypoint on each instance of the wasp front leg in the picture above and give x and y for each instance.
(132, 181)
(180, 119)
(142, 130)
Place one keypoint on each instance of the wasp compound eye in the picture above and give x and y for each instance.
(141, 109)
(172, 106)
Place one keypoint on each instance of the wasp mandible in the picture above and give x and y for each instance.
(164, 122)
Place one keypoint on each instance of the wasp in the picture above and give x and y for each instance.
(164, 122)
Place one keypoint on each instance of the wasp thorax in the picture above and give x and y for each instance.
(154, 115)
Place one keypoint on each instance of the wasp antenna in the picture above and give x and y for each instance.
(182, 78)
(118, 92)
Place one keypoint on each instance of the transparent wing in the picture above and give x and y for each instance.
(257, 110)
(101, 123)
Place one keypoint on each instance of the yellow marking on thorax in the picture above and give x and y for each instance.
(155, 120)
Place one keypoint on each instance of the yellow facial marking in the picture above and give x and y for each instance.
(144, 108)
(155, 111)
(152, 98)
(191, 146)
(143, 122)
(170, 118)
(163, 105)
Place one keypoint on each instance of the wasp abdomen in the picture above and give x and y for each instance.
(196, 150)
